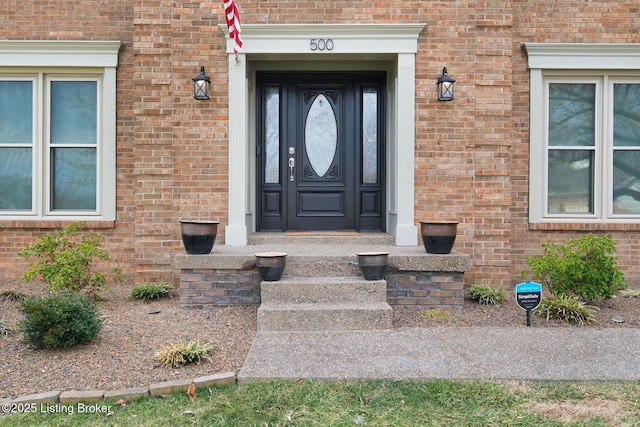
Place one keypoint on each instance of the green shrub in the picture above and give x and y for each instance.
(146, 291)
(60, 319)
(176, 355)
(582, 267)
(65, 260)
(485, 294)
(566, 308)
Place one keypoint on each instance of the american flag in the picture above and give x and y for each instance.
(233, 23)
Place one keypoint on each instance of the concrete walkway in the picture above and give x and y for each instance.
(447, 352)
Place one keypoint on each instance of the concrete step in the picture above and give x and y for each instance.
(323, 266)
(324, 317)
(333, 238)
(323, 290)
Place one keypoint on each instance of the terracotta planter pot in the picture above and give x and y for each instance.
(198, 237)
(270, 265)
(438, 237)
(373, 264)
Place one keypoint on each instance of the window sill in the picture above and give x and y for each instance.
(42, 224)
(584, 226)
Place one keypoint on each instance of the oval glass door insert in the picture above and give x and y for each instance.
(321, 135)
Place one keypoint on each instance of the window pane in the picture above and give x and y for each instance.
(321, 135)
(570, 181)
(16, 112)
(73, 112)
(626, 163)
(626, 182)
(16, 128)
(370, 136)
(73, 178)
(272, 135)
(572, 114)
(15, 178)
(626, 115)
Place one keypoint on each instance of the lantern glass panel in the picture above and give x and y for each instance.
(446, 91)
(200, 89)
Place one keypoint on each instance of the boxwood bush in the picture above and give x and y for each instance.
(59, 319)
(584, 267)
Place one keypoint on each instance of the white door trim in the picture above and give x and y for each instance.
(349, 42)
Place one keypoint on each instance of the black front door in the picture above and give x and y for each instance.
(320, 151)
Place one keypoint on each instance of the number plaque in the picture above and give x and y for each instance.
(320, 45)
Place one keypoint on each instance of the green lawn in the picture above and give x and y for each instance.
(369, 403)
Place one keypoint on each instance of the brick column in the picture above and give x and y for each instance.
(492, 142)
(153, 154)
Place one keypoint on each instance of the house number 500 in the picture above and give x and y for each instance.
(321, 44)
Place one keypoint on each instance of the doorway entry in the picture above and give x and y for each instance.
(320, 148)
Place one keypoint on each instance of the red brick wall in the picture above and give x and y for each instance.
(567, 22)
(471, 154)
(80, 20)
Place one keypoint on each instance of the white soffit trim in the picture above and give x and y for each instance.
(346, 38)
(59, 53)
(601, 56)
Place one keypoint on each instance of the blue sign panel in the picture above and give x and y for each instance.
(528, 287)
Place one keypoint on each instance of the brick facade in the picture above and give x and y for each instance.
(471, 154)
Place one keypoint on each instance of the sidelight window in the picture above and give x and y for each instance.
(272, 135)
(370, 135)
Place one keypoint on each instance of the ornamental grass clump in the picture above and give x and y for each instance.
(630, 293)
(178, 354)
(583, 267)
(566, 308)
(5, 329)
(485, 294)
(437, 314)
(65, 260)
(59, 319)
(12, 295)
(149, 291)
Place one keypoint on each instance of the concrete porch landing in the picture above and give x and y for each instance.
(228, 275)
(323, 248)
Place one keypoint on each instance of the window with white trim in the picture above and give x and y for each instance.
(585, 137)
(57, 132)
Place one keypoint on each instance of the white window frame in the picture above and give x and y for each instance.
(49, 60)
(604, 64)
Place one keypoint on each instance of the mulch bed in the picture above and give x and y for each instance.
(123, 354)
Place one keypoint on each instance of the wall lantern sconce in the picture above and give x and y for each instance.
(201, 86)
(445, 86)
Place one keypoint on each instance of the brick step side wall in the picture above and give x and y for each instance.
(200, 288)
(426, 289)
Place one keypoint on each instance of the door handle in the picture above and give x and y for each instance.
(292, 164)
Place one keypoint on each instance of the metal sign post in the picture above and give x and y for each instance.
(528, 297)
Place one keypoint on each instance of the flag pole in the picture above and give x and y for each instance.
(232, 15)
